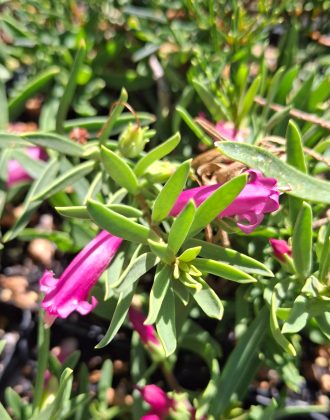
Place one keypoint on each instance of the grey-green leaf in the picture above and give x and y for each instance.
(165, 325)
(170, 192)
(302, 241)
(301, 185)
(223, 270)
(181, 226)
(208, 300)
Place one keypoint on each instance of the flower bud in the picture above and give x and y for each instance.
(132, 141)
(160, 171)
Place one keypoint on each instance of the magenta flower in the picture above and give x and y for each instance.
(259, 196)
(159, 401)
(147, 333)
(16, 172)
(228, 130)
(70, 292)
(280, 248)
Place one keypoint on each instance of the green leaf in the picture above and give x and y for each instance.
(217, 202)
(162, 281)
(324, 271)
(4, 117)
(70, 87)
(180, 227)
(3, 413)
(302, 185)
(119, 171)
(214, 106)
(208, 300)
(223, 270)
(137, 268)
(51, 141)
(302, 241)
(181, 291)
(156, 154)
(298, 316)
(80, 212)
(248, 100)
(162, 251)
(105, 381)
(294, 148)
(14, 402)
(66, 179)
(115, 112)
(275, 329)
(278, 118)
(118, 318)
(165, 324)
(193, 126)
(230, 256)
(170, 192)
(190, 254)
(117, 224)
(240, 367)
(34, 86)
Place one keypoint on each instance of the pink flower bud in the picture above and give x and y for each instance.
(16, 172)
(159, 401)
(229, 131)
(70, 292)
(147, 333)
(259, 196)
(280, 248)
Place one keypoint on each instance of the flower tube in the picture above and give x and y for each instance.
(259, 196)
(70, 292)
(147, 333)
(16, 172)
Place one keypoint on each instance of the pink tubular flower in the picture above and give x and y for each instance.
(159, 401)
(259, 196)
(228, 130)
(70, 292)
(16, 172)
(147, 333)
(280, 248)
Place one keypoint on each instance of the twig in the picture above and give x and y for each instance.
(294, 112)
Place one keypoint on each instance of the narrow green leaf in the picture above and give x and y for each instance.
(66, 179)
(113, 116)
(118, 318)
(141, 265)
(14, 402)
(248, 100)
(294, 148)
(4, 117)
(70, 87)
(302, 185)
(208, 300)
(302, 241)
(165, 324)
(278, 118)
(162, 281)
(230, 256)
(55, 142)
(105, 382)
(33, 167)
(3, 413)
(240, 367)
(80, 212)
(190, 254)
(275, 329)
(223, 270)
(181, 291)
(217, 202)
(119, 171)
(324, 271)
(156, 154)
(181, 226)
(170, 192)
(162, 251)
(298, 316)
(193, 126)
(34, 86)
(215, 107)
(117, 224)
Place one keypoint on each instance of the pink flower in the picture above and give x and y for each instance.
(147, 333)
(228, 130)
(16, 172)
(159, 401)
(70, 292)
(280, 248)
(259, 196)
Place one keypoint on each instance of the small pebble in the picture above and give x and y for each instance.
(322, 362)
(325, 382)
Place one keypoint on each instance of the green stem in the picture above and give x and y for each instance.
(43, 350)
